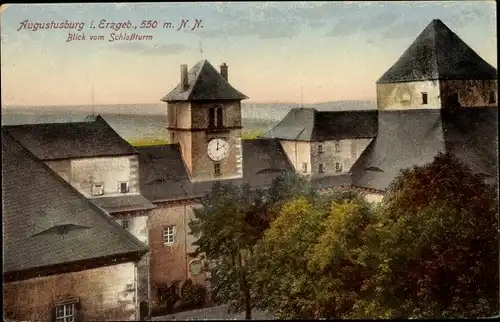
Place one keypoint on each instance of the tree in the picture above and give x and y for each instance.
(434, 246)
(222, 235)
(307, 265)
(229, 223)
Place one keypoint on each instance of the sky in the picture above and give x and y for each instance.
(276, 51)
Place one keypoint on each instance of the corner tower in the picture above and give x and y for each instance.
(438, 71)
(204, 118)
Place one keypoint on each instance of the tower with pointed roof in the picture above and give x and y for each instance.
(204, 118)
(438, 71)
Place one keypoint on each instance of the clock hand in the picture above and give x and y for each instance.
(217, 149)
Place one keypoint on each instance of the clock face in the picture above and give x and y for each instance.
(218, 149)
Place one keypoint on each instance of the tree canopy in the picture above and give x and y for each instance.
(429, 249)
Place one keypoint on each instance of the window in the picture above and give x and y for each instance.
(337, 147)
(97, 189)
(219, 117)
(406, 97)
(211, 117)
(304, 167)
(320, 148)
(65, 312)
(216, 169)
(123, 187)
(215, 117)
(492, 99)
(424, 98)
(338, 167)
(321, 168)
(125, 224)
(168, 235)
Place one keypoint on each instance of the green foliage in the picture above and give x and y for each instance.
(229, 223)
(192, 295)
(252, 135)
(167, 295)
(435, 246)
(430, 249)
(307, 265)
(148, 141)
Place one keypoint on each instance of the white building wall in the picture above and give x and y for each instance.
(137, 226)
(408, 95)
(299, 153)
(345, 155)
(109, 171)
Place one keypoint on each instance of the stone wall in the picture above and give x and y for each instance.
(104, 294)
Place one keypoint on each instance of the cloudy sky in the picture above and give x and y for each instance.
(332, 50)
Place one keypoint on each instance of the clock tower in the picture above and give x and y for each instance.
(204, 118)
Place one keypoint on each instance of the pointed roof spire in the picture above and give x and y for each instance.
(438, 53)
(204, 83)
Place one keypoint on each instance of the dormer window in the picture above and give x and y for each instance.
(215, 117)
(97, 189)
(123, 187)
(492, 99)
(424, 98)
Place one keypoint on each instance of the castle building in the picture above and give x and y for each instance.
(64, 258)
(440, 96)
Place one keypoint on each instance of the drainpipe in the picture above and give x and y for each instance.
(136, 277)
(148, 263)
(185, 240)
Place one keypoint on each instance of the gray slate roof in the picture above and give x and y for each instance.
(308, 124)
(438, 53)
(70, 140)
(38, 206)
(123, 203)
(205, 83)
(164, 175)
(415, 137)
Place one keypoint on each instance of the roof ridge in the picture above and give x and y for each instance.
(197, 76)
(435, 61)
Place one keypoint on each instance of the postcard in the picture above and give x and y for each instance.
(249, 160)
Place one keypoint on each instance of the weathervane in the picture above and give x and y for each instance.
(201, 49)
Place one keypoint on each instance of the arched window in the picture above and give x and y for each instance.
(219, 116)
(215, 117)
(211, 117)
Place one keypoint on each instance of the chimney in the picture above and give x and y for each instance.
(223, 71)
(184, 77)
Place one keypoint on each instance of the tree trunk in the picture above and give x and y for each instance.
(245, 289)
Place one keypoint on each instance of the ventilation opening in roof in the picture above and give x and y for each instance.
(373, 168)
(62, 229)
(269, 170)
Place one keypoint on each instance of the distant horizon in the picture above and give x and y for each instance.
(161, 103)
(277, 52)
